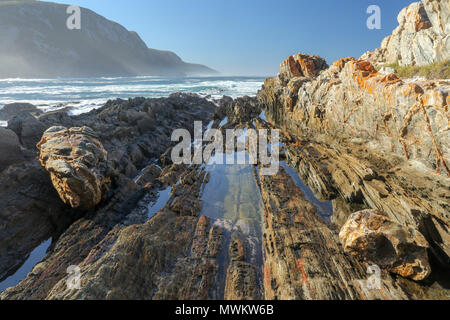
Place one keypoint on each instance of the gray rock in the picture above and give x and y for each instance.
(28, 129)
(11, 110)
(10, 151)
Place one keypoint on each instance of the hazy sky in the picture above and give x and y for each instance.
(251, 37)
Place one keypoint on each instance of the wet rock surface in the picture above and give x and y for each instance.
(32, 211)
(200, 246)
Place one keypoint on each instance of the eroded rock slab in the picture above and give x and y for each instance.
(371, 236)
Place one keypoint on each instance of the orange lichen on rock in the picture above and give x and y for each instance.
(340, 64)
(294, 66)
(302, 65)
(363, 71)
(422, 21)
(302, 270)
(267, 277)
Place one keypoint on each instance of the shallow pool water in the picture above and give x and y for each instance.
(163, 197)
(324, 208)
(35, 257)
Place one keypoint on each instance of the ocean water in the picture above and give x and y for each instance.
(84, 95)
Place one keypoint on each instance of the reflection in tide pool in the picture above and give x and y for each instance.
(163, 197)
(232, 200)
(223, 122)
(324, 208)
(35, 257)
(263, 116)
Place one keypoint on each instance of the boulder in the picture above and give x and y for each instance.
(370, 236)
(11, 110)
(28, 129)
(301, 65)
(77, 163)
(10, 151)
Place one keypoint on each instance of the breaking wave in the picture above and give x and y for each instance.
(83, 95)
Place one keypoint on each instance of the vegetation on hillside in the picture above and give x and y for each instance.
(439, 70)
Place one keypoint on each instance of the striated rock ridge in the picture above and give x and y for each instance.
(372, 141)
(77, 163)
(182, 252)
(352, 99)
(371, 236)
(422, 37)
(303, 257)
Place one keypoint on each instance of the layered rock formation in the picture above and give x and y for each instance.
(352, 99)
(183, 253)
(363, 184)
(367, 140)
(422, 37)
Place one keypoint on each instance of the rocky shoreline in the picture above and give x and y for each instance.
(363, 187)
(185, 252)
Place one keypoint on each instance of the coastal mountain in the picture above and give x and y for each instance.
(36, 43)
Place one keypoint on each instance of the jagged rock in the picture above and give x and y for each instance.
(31, 210)
(167, 257)
(371, 236)
(241, 283)
(10, 151)
(28, 129)
(421, 38)
(149, 174)
(241, 110)
(301, 65)
(77, 163)
(372, 140)
(303, 257)
(11, 110)
(352, 98)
